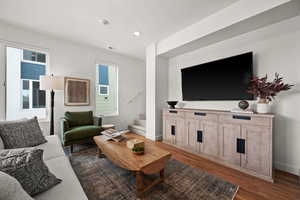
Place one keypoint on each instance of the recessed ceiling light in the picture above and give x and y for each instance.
(104, 21)
(137, 33)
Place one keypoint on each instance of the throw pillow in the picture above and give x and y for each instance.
(22, 133)
(10, 188)
(28, 167)
(1, 144)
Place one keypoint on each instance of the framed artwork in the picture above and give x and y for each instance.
(77, 92)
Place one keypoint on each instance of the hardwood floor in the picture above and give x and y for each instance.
(286, 186)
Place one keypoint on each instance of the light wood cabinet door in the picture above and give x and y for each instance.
(169, 130)
(257, 156)
(210, 145)
(228, 135)
(181, 137)
(192, 127)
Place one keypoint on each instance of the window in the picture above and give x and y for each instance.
(24, 97)
(103, 80)
(106, 89)
(34, 56)
(30, 74)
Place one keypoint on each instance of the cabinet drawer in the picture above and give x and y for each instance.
(201, 115)
(173, 113)
(245, 119)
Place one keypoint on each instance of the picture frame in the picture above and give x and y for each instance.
(77, 92)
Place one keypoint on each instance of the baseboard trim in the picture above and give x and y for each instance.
(287, 168)
(158, 138)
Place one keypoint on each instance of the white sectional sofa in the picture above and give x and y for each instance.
(59, 164)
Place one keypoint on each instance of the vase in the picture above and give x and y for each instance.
(263, 106)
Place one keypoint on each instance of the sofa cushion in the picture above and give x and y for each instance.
(1, 144)
(21, 133)
(82, 132)
(53, 148)
(70, 188)
(11, 189)
(79, 118)
(28, 167)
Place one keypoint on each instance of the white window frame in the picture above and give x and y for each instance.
(109, 64)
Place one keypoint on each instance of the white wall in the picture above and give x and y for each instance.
(151, 64)
(78, 60)
(161, 93)
(276, 49)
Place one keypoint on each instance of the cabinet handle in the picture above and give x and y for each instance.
(199, 136)
(173, 130)
(173, 111)
(199, 114)
(240, 145)
(241, 117)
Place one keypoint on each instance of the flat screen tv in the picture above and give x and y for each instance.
(225, 79)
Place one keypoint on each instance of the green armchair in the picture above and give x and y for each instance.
(79, 128)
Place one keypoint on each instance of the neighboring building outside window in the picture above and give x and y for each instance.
(33, 65)
(24, 97)
(106, 90)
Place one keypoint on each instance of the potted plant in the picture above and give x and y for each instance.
(266, 91)
(138, 150)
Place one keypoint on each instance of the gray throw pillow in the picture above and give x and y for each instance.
(28, 167)
(22, 133)
(10, 188)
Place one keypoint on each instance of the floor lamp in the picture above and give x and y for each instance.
(51, 83)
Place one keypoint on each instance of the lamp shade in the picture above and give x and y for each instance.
(51, 82)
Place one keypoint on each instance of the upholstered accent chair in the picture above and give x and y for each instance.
(79, 128)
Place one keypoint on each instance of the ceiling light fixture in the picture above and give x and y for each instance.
(137, 33)
(110, 47)
(104, 21)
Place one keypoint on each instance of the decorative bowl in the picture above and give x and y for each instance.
(243, 105)
(138, 152)
(172, 104)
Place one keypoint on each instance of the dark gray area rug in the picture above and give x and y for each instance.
(103, 180)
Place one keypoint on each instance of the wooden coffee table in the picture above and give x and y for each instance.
(153, 161)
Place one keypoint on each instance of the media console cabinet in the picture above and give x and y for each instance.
(241, 141)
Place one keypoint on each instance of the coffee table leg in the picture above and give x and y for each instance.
(139, 183)
(99, 153)
(162, 174)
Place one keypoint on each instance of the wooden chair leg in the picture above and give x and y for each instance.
(71, 148)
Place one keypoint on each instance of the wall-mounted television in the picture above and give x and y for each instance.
(225, 79)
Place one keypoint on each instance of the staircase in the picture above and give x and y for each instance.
(139, 127)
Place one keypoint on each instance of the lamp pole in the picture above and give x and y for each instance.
(52, 113)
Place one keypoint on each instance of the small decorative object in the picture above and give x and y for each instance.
(108, 126)
(172, 104)
(77, 92)
(138, 150)
(243, 105)
(131, 144)
(267, 91)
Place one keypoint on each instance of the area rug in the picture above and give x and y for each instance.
(103, 180)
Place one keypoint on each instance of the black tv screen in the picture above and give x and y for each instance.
(225, 79)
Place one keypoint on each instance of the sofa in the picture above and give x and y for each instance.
(79, 127)
(59, 164)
